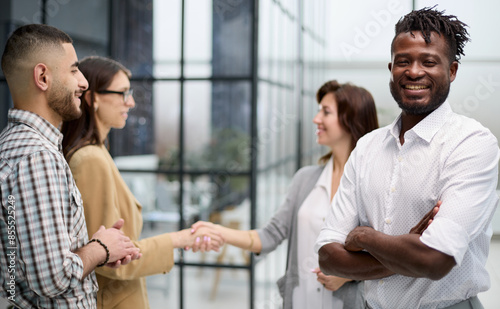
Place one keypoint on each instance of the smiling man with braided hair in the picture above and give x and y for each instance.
(398, 173)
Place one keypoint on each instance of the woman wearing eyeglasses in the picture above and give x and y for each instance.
(106, 197)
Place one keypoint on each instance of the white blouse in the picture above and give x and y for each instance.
(312, 213)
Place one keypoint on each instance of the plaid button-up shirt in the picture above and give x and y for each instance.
(41, 220)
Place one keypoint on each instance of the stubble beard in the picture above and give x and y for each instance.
(436, 100)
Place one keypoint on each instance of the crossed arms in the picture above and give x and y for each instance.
(385, 255)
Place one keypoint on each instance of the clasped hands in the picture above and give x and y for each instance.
(121, 249)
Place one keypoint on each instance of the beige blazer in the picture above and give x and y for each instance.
(107, 198)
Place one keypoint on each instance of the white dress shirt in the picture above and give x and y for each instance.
(390, 187)
(310, 294)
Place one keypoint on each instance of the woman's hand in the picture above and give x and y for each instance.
(201, 241)
(332, 283)
(201, 224)
(204, 237)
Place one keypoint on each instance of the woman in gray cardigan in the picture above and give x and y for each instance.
(346, 112)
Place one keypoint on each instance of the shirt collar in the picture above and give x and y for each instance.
(37, 123)
(428, 127)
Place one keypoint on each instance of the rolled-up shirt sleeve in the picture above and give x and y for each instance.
(50, 224)
(469, 196)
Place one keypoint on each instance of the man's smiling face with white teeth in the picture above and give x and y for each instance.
(420, 72)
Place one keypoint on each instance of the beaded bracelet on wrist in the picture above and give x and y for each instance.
(105, 248)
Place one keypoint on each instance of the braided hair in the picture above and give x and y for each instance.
(429, 19)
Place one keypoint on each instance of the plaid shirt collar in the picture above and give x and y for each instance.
(37, 123)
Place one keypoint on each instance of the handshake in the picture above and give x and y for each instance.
(202, 236)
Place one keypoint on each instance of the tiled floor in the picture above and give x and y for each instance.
(233, 289)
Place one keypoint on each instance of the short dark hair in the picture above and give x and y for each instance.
(355, 107)
(99, 72)
(429, 19)
(29, 39)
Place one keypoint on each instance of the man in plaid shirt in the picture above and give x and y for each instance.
(46, 259)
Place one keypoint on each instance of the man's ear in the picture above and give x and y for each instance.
(453, 70)
(389, 66)
(41, 76)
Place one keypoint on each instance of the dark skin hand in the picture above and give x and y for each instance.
(385, 255)
(417, 229)
(426, 220)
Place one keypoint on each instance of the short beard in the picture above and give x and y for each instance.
(63, 104)
(417, 109)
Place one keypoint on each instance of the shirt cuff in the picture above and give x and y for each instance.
(448, 237)
(327, 237)
(77, 269)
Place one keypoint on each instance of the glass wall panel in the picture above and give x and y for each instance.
(217, 127)
(158, 195)
(292, 51)
(167, 123)
(198, 38)
(264, 52)
(232, 38)
(222, 199)
(289, 120)
(167, 20)
(275, 25)
(273, 133)
(263, 112)
(198, 120)
(90, 38)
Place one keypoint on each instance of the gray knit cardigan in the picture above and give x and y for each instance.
(283, 226)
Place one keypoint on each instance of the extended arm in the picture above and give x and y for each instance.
(248, 240)
(203, 238)
(278, 228)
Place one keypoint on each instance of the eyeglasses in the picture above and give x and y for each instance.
(126, 94)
